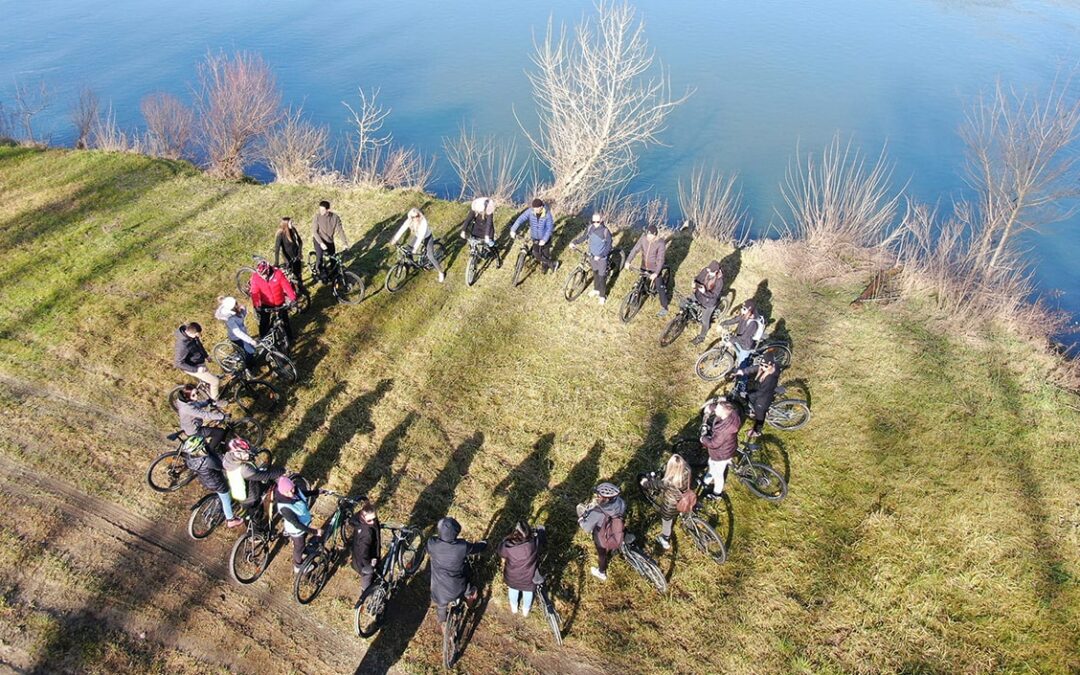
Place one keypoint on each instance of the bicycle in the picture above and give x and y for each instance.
(641, 563)
(169, 471)
(250, 395)
(551, 613)
(701, 533)
(719, 362)
(640, 292)
(322, 553)
(785, 414)
(480, 256)
(408, 262)
(207, 514)
(233, 359)
(243, 284)
(525, 257)
(402, 560)
(582, 275)
(761, 479)
(346, 286)
(250, 555)
(454, 628)
(690, 311)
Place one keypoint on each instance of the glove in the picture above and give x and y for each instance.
(489, 241)
(463, 235)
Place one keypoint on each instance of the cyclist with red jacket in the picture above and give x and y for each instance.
(271, 292)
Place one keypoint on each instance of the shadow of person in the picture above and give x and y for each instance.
(522, 486)
(731, 265)
(771, 451)
(797, 388)
(404, 615)
(678, 247)
(763, 299)
(380, 466)
(353, 419)
(780, 333)
(308, 424)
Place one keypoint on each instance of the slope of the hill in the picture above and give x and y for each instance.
(933, 522)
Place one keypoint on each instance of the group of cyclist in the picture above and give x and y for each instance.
(228, 468)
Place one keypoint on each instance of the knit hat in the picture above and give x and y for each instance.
(285, 485)
(714, 267)
(225, 308)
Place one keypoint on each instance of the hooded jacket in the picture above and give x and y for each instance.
(599, 237)
(290, 250)
(593, 518)
(721, 437)
(367, 544)
(208, 470)
(761, 392)
(245, 479)
(522, 561)
(194, 415)
(188, 354)
(652, 253)
(478, 226)
(748, 330)
(272, 292)
(446, 556)
(702, 293)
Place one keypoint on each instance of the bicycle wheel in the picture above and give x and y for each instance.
(647, 568)
(411, 554)
(262, 458)
(455, 621)
(471, 269)
(249, 557)
(705, 537)
(440, 251)
(169, 472)
(282, 366)
(206, 515)
(247, 428)
(692, 451)
(780, 353)
(519, 268)
(763, 481)
(349, 288)
(368, 613)
(576, 284)
(554, 621)
(311, 578)
(631, 304)
(714, 364)
(788, 415)
(674, 329)
(395, 278)
(228, 356)
(243, 280)
(256, 396)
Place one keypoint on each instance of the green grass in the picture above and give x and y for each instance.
(933, 520)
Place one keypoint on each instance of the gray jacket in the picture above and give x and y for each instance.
(594, 517)
(193, 416)
(325, 228)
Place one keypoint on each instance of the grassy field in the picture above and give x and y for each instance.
(933, 523)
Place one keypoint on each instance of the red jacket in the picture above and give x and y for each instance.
(272, 293)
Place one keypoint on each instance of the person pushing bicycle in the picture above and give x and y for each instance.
(479, 225)
(366, 544)
(603, 519)
(447, 556)
(599, 237)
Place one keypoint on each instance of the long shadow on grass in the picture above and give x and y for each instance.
(353, 419)
(522, 486)
(381, 465)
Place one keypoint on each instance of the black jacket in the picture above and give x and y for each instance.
(289, 251)
(702, 294)
(208, 470)
(761, 392)
(367, 544)
(522, 561)
(446, 556)
(478, 226)
(189, 353)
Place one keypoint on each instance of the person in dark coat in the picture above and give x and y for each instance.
(367, 544)
(479, 226)
(653, 250)
(749, 329)
(720, 436)
(447, 555)
(708, 287)
(206, 464)
(521, 551)
(190, 356)
(761, 382)
(599, 238)
(289, 246)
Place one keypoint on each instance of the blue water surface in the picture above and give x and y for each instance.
(766, 75)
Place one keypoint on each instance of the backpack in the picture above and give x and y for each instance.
(610, 534)
(194, 446)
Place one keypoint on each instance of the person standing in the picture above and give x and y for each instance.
(708, 287)
(447, 559)
(671, 489)
(599, 237)
(367, 544)
(289, 245)
(653, 250)
(325, 227)
(189, 355)
(541, 229)
(720, 436)
(292, 505)
(271, 292)
(602, 519)
(521, 551)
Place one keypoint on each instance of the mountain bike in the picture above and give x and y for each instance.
(719, 362)
(243, 284)
(323, 553)
(402, 560)
(642, 563)
(250, 395)
(456, 615)
(233, 359)
(207, 513)
(525, 259)
(551, 613)
(701, 533)
(480, 257)
(785, 414)
(169, 471)
(409, 262)
(582, 275)
(640, 292)
(250, 555)
(346, 286)
(761, 479)
(690, 311)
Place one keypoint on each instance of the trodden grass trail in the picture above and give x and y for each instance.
(933, 521)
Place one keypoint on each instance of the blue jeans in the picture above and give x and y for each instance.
(741, 355)
(226, 505)
(526, 600)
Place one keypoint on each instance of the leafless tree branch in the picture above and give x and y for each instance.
(170, 125)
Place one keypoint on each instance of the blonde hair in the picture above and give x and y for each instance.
(677, 473)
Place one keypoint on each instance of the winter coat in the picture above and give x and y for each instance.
(593, 518)
(188, 354)
(272, 292)
(721, 438)
(522, 562)
(707, 296)
(667, 496)
(540, 227)
(478, 226)
(290, 251)
(208, 470)
(652, 253)
(446, 558)
(245, 479)
(599, 238)
(761, 392)
(367, 544)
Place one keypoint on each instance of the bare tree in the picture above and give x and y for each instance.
(367, 120)
(30, 101)
(712, 203)
(596, 103)
(404, 168)
(1021, 162)
(295, 149)
(237, 102)
(840, 198)
(485, 166)
(7, 124)
(106, 134)
(84, 116)
(170, 125)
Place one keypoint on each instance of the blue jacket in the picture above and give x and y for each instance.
(540, 228)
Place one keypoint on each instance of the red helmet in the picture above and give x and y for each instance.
(240, 445)
(263, 268)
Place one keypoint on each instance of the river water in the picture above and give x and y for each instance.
(766, 75)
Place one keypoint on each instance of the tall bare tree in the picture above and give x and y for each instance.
(30, 101)
(170, 125)
(596, 102)
(368, 138)
(237, 101)
(84, 116)
(485, 166)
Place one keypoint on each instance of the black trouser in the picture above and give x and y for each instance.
(214, 436)
(243, 347)
(296, 266)
(603, 556)
(659, 287)
(600, 270)
(706, 319)
(298, 543)
(543, 254)
(493, 250)
(429, 251)
(367, 573)
(266, 322)
(319, 252)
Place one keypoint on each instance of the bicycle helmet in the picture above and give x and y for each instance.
(263, 268)
(240, 445)
(606, 490)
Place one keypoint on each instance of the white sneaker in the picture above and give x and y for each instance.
(603, 300)
(513, 609)
(442, 277)
(598, 574)
(664, 543)
(593, 293)
(525, 613)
